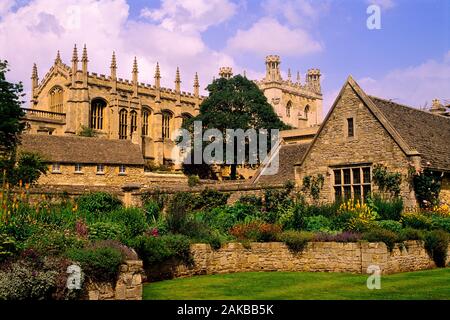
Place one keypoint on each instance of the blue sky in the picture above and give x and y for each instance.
(408, 59)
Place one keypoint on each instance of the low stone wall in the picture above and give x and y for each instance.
(127, 287)
(317, 256)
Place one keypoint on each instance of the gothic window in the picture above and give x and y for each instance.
(56, 99)
(288, 109)
(306, 112)
(123, 125)
(96, 116)
(145, 120)
(133, 115)
(352, 183)
(166, 118)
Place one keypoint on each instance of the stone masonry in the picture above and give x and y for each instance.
(127, 287)
(317, 256)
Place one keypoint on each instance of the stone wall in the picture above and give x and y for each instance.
(317, 256)
(127, 287)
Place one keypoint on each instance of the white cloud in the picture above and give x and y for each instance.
(384, 4)
(268, 36)
(296, 12)
(5, 6)
(34, 32)
(416, 85)
(191, 15)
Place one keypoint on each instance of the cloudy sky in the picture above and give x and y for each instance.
(407, 60)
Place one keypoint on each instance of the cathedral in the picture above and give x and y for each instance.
(70, 100)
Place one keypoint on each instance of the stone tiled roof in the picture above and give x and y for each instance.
(74, 149)
(425, 132)
(289, 155)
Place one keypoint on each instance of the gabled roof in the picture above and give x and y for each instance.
(75, 149)
(287, 155)
(416, 132)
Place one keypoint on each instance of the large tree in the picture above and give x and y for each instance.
(235, 103)
(10, 111)
(28, 167)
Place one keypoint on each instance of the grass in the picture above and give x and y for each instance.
(420, 285)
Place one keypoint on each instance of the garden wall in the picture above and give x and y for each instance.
(127, 287)
(317, 256)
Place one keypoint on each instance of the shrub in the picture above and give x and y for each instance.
(8, 246)
(193, 180)
(132, 219)
(256, 231)
(382, 235)
(210, 199)
(388, 209)
(152, 211)
(99, 264)
(251, 200)
(53, 242)
(317, 223)
(417, 220)
(296, 240)
(346, 236)
(438, 222)
(411, 234)
(363, 215)
(156, 250)
(390, 225)
(21, 281)
(105, 231)
(98, 202)
(436, 244)
(177, 213)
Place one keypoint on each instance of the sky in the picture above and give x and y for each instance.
(407, 59)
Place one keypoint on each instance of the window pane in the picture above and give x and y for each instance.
(347, 176)
(357, 192)
(366, 175)
(337, 177)
(356, 175)
(367, 191)
(347, 192)
(351, 130)
(337, 194)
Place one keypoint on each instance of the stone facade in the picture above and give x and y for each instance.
(370, 145)
(127, 287)
(70, 98)
(316, 257)
(445, 189)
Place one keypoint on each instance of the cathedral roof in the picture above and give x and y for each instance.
(83, 150)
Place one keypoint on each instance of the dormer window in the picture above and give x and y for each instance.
(122, 169)
(100, 169)
(56, 168)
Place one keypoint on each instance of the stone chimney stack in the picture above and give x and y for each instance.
(437, 107)
(226, 72)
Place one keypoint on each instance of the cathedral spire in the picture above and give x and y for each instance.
(58, 58)
(113, 61)
(298, 77)
(157, 76)
(34, 77)
(135, 77)
(75, 54)
(178, 81)
(289, 74)
(84, 60)
(196, 85)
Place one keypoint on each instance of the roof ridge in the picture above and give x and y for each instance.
(406, 106)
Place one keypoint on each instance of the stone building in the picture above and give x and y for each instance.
(361, 131)
(70, 99)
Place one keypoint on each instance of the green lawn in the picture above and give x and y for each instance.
(430, 284)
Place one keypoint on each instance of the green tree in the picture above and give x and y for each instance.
(235, 103)
(10, 111)
(29, 166)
